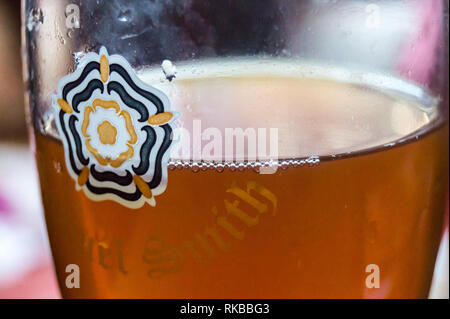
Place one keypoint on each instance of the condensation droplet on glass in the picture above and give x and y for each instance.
(124, 16)
(169, 69)
(35, 18)
(61, 38)
(77, 56)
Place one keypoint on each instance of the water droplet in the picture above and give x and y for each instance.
(77, 56)
(169, 69)
(35, 18)
(124, 16)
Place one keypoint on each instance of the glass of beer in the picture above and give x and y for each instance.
(240, 149)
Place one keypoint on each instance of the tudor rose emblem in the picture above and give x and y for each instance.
(116, 131)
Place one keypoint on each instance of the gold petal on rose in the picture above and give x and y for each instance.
(160, 118)
(106, 104)
(142, 186)
(104, 68)
(84, 176)
(87, 112)
(65, 106)
(107, 133)
(100, 159)
(122, 157)
(129, 126)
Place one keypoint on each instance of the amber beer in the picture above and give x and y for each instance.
(362, 180)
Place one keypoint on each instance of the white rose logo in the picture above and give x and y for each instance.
(116, 131)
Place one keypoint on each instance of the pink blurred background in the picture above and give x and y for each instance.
(26, 269)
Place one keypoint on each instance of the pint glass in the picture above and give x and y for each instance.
(240, 149)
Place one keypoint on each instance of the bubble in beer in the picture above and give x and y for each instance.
(195, 167)
(219, 168)
(240, 166)
(179, 165)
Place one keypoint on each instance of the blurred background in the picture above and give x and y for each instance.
(26, 269)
